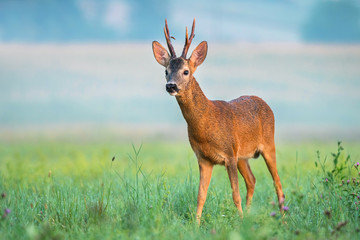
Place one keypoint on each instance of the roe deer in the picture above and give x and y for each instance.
(226, 133)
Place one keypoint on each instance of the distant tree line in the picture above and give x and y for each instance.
(333, 22)
(64, 21)
(336, 21)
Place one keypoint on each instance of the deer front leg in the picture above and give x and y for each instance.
(205, 177)
(231, 168)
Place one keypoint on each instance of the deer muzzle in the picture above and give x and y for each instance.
(172, 89)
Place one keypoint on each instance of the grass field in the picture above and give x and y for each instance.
(69, 190)
(57, 184)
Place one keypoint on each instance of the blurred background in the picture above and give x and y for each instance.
(85, 68)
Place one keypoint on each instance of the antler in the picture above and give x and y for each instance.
(168, 41)
(188, 40)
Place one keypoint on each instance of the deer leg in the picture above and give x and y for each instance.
(270, 159)
(233, 177)
(245, 170)
(205, 177)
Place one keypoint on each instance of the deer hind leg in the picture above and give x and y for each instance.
(233, 177)
(205, 177)
(270, 159)
(245, 170)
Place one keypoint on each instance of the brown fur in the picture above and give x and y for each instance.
(220, 132)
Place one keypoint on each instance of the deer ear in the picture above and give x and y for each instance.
(199, 54)
(161, 55)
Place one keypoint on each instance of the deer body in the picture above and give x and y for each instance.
(242, 125)
(220, 132)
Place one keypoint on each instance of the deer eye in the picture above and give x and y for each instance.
(166, 72)
(186, 72)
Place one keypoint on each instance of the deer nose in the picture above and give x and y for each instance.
(171, 88)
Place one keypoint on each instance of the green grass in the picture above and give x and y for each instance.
(67, 190)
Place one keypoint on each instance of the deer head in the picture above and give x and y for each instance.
(179, 70)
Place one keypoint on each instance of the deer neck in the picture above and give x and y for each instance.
(193, 103)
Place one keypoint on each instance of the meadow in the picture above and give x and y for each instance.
(106, 190)
(69, 170)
